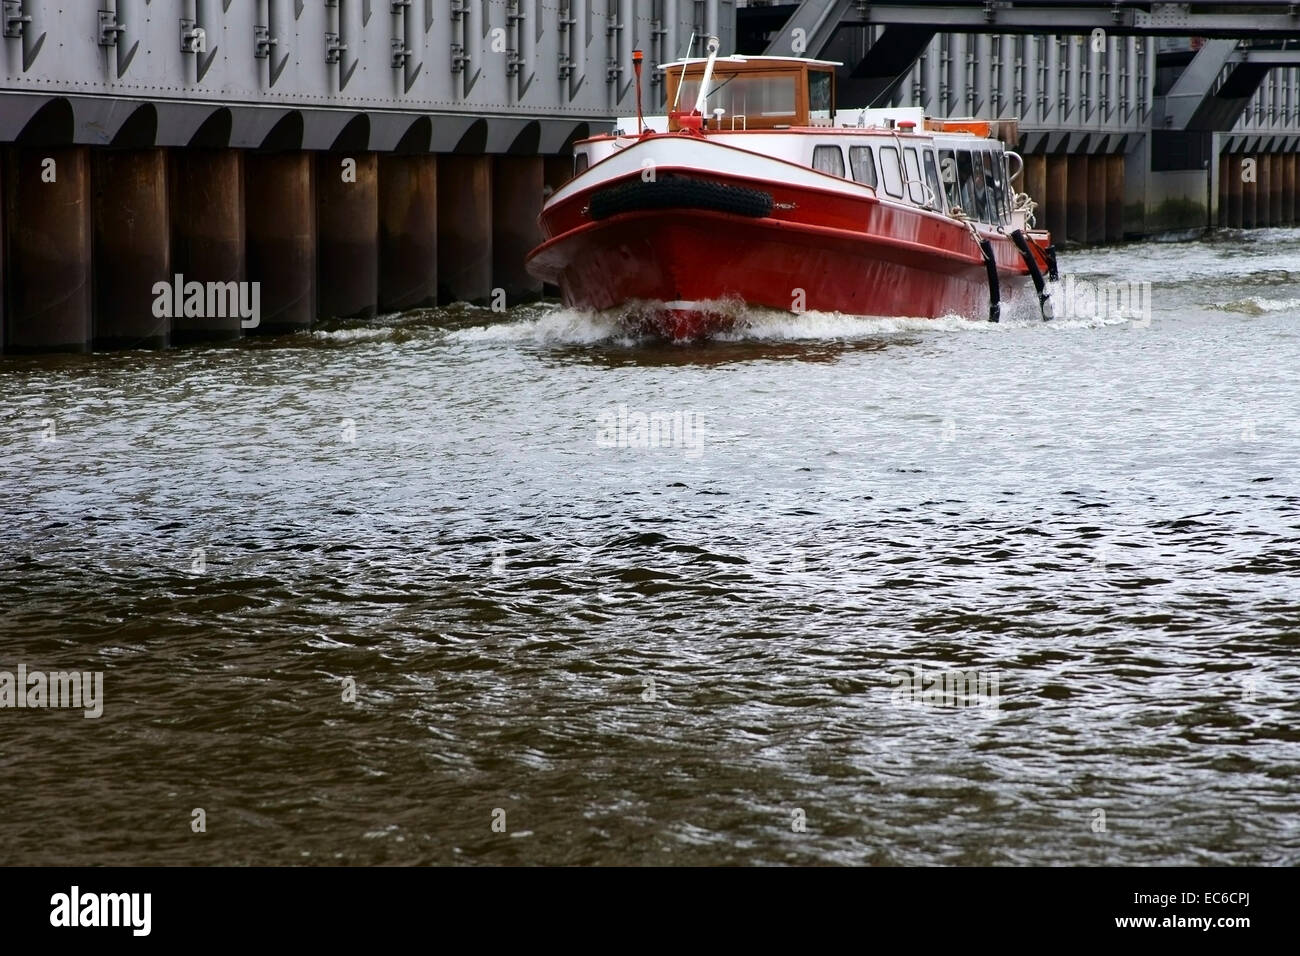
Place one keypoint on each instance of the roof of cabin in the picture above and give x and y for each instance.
(736, 58)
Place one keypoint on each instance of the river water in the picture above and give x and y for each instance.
(568, 648)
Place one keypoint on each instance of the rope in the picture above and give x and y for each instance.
(1022, 203)
(956, 212)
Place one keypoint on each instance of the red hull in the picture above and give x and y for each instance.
(684, 257)
(817, 250)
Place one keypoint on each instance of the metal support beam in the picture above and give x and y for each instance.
(1194, 85)
(1231, 19)
(809, 28)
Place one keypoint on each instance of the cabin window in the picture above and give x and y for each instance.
(829, 159)
(982, 194)
(965, 179)
(980, 210)
(997, 199)
(912, 165)
(819, 90)
(948, 173)
(932, 177)
(863, 164)
(890, 170)
(752, 95)
(579, 163)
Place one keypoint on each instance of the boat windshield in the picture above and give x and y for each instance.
(756, 96)
(819, 90)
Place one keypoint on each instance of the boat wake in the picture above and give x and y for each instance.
(555, 325)
(551, 325)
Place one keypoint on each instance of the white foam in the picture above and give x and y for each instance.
(358, 334)
(555, 326)
(774, 324)
(1258, 305)
(562, 326)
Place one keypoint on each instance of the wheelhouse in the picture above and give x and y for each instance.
(755, 92)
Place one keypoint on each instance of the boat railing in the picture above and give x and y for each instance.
(929, 199)
(1020, 168)
(744, 125)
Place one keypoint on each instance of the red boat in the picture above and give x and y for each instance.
(762, 194)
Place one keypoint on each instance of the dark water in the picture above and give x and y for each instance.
(659, 655)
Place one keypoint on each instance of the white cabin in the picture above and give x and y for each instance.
(784, 107)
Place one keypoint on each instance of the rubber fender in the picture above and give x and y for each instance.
(678, 192)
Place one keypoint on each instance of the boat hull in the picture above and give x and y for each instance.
(713, 225)
(683, 273)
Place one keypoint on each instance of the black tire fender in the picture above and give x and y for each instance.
(679, 192)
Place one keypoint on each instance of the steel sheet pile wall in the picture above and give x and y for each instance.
(344, 155)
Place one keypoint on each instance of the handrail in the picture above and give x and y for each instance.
(1012, 177)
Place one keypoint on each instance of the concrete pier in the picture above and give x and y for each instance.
(206, 208)
(132, 247)
(408, 232)
(47, 218)
(517, 184)
(464, 228)
(279, 197)
(347, 221)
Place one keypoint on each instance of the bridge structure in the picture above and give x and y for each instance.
(1134, 117)
(359, 156)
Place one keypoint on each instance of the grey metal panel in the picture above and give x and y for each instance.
(555, 133)
(449, 130)
(395, 58)
(387, 129)
(18, 111)
(408, 61)
(322, 127)
(178, 122)
(249, 127)
(1035, 142)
